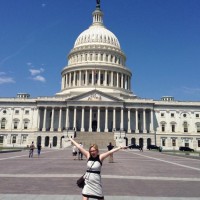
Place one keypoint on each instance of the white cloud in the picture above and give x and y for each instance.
(39, 78)
(191, 90)
(44, 5)
(4, 80)
(2, 73)
(29, 63)
(36, 71)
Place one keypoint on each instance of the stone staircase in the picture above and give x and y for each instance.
(101, 139)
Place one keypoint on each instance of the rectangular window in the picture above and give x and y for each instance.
(101, 57)
(107, 58)
(1, 139)
(185, 127)
(25, 125)
(163, 142)
(162, 114)
(26, 112)
(163, 128)
(198, 128)
(198, 143)
(15, 125)
(101, 79)
(16, 112)
(173, 128)
(197, 115)
(90, 78)
(24, 137)
(172, 114)
(173, 142)
(14, 139)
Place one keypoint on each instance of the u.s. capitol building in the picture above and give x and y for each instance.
(96, 97)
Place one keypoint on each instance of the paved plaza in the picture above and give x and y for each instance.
(134, 175)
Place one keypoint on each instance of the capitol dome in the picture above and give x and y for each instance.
(97, 33)
(96, 62)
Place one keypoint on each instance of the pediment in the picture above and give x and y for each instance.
(94, 95)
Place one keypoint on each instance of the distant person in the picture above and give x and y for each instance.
(32, 147)
(80, 154)
(39, 147)
(141, 148)
(74, 152)
(110, 147)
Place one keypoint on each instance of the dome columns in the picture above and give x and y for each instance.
(96, 77)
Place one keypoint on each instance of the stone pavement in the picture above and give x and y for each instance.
(134, 175)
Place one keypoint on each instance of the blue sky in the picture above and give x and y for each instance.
(161, 39)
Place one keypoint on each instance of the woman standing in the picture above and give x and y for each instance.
(93, 187)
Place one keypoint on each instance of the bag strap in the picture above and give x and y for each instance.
(90, 169)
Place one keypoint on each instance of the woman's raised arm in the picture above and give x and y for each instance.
(106, 154)
(83, 151)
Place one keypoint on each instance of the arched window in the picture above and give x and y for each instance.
(54, 141)
(3, 123)
(133, 141)
(148, 141)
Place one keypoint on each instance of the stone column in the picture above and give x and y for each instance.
(52, 120)
(112, 79)
(144, 121)
(121, 80)
(80, 78)
(63, 82)
(44, 119)
(67, 119)
(70, 79)
(105, 80)
(86, 77)
(106, 120)
(136, 121)
(66, 83)
(152, 122)
(99, 79)
(114, 118)
(82, 120)
(90, 120)
(74, 80)
(22, 114)
(38, 120)
(117, 79)
(98, 120)
(74, 125)
(129, 120)
(92, 77)
(60, 120)
(122, 120)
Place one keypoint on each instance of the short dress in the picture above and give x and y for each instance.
(93, 187)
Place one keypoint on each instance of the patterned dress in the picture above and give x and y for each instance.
(93, 187)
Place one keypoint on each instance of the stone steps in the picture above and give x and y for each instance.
(101, 139)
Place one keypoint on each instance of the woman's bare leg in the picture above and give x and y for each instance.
(85, 198)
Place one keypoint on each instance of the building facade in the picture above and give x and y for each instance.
(96, 96)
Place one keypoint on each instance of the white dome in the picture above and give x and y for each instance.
(97, 34)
